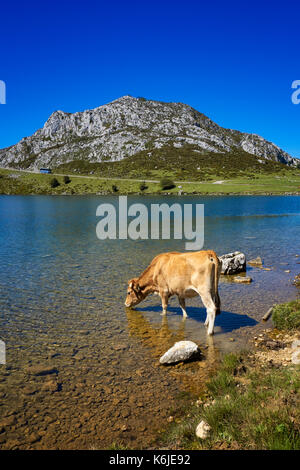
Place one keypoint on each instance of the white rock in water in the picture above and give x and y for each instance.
(202, 430)
(181, 351)
(233, 263)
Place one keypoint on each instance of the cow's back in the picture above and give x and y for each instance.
(176, 271)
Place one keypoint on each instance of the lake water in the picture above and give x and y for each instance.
(82, 371)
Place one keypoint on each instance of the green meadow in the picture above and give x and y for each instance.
(22, 182)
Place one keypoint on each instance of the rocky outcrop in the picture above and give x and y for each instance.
(127, 126)
(181, 351)
(280, 348)
(296, 352)
(233, 263)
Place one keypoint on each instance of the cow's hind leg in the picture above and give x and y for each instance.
(182, 305)
(210, 312)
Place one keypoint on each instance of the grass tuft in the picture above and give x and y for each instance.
(249, 407)
(287, 316)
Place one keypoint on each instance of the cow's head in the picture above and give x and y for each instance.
(134, 293)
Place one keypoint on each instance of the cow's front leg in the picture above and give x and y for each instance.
(164, 300)
(182, 305)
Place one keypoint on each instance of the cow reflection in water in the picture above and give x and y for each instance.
(159, 338)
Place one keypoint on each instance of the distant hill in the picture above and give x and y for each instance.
(129, 127)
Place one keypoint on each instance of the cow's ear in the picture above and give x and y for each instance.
(130, 283)
(137, 287)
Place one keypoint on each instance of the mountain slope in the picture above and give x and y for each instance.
(129, 126)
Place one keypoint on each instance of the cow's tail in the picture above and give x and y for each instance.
(217, 270)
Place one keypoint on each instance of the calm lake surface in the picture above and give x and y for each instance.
(82, 371)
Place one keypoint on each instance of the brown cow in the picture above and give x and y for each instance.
(182, 274)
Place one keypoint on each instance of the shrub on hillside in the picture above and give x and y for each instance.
(67, 179)
(54, 183)
(167, 183)
(143, 186)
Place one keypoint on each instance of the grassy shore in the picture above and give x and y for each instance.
(253, 400)
(21, 182)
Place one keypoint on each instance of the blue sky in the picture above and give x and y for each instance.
(233, 61)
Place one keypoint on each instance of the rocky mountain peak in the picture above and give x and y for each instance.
(127, 126)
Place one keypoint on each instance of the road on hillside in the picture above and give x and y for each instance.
(108, 178)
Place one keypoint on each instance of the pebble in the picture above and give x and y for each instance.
(33, 438)
(119, 346)
(50, 386)
(256, 262)
(40, 370)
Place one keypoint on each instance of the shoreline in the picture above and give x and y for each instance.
(246, 404)
(220, 194)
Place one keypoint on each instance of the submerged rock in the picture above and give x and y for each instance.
(297, 280)
(41, 370)
(243, 280)
(256, 261)
(181, 351)
(233, 263)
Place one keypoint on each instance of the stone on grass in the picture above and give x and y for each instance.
(296, 357)
(203, 429)
(296, 344)
(181, 351)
